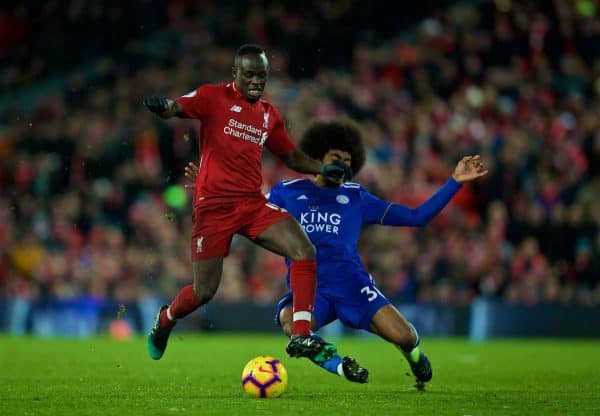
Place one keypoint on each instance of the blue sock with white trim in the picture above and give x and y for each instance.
(333, 365)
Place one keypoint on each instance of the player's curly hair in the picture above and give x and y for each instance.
(342, 134)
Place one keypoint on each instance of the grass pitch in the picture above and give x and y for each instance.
(200, 375)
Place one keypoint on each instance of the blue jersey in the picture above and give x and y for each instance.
(333, 219)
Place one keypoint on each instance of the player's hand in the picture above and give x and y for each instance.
(336, 170)
(157, 104)
(469, 168)
(191, 173)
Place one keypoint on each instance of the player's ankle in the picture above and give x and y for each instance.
(412, 355)
(164, 320)
(410, 352)
(301, 327)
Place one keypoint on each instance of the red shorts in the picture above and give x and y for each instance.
(215, 222)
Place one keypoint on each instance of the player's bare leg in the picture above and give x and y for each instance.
(347, 366)
(389, 324)
(288, 239)
(207, 276)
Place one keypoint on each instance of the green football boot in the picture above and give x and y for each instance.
(158, 337)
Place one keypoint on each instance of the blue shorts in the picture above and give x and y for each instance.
(353, 303)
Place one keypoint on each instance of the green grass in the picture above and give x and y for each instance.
(200, 375)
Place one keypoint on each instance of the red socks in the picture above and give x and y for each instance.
(303, 282)
(184, 303)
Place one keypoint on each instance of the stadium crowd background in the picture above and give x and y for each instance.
(83, 207)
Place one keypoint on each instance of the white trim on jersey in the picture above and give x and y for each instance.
(199, 167)
(291, 181)
(200, 162)
(385, 213)
(273, 206)
(190, 94)
(351, 185)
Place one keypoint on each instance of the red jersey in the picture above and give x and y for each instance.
(233, 134)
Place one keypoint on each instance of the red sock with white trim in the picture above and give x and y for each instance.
(184, 303)
(303, 282)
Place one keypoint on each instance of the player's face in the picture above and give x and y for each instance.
(336, 154)
(251, 74)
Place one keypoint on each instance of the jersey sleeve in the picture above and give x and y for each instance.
(398, 215)
(195, 103)
(373, 208)
(279, 142)
(275, 195)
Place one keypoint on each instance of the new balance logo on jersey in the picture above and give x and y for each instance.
(301, 197)
(199, 244)
(236, 108)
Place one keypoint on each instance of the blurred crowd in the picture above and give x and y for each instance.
(42, 38)
(92, 201)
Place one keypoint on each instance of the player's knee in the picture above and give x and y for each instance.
(304, 250)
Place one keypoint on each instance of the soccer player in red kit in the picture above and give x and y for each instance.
(235, 126)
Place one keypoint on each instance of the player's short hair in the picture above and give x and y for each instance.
(341, 134)
(247, 49)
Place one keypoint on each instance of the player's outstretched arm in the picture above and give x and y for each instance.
(468, 169)
(163, 107)
(300, 162)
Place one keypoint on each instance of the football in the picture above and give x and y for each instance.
(264, 377)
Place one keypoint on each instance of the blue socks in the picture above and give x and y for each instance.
(333, 365)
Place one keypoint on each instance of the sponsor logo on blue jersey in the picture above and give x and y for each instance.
(325, 222)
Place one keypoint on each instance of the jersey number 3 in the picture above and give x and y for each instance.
(371, 294)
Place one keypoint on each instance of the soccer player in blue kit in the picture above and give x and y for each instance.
(332, 212)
